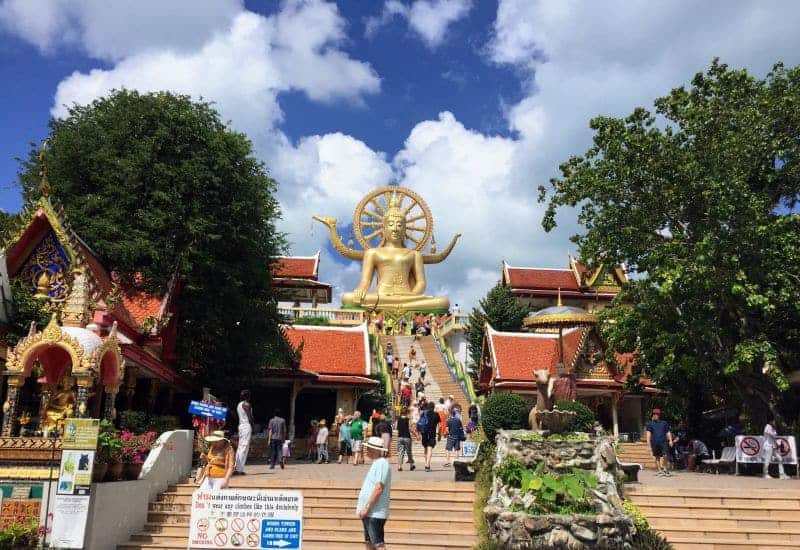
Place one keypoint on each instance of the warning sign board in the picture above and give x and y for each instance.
(246, 518)
(750, 448)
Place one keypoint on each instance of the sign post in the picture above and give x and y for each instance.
(73, 488)
(246, 518)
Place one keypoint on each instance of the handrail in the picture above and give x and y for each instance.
(455, 321)
(384, 370)
(455, 366)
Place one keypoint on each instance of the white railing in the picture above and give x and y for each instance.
(457, 321)
(334, 316)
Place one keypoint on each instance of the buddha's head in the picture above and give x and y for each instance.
(394, 223)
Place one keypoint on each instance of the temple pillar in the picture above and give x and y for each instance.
(131, 375)
(152, 395)
(615, 401)
(81, 402)
(111, 397)
(170, 399)
(11, 404)
(292, 399)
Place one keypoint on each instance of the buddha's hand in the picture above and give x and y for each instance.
(358, 295)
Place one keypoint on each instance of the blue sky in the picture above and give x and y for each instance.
(470, 103)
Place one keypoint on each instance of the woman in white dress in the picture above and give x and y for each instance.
(245, 413)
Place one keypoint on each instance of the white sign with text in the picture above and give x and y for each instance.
(750, 448)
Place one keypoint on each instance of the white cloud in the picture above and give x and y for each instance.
(114, 29)
(429, 19)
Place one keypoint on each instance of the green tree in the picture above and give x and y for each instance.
(500, 309)
(157, 185)
(699, 199)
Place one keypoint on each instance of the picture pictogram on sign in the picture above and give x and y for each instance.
(220, 539)
(253, 540)
(237, 539)
(221, 524)
(784, 448)
(237, 524)
(202, 524)
(750, 446)
(252, 525)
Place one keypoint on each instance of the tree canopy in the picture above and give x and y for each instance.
(157, 185)
(699, 200)
(501, 311)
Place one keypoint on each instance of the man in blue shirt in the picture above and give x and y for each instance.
(658, 437)
(373, 500)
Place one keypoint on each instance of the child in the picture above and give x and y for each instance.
(286, 452)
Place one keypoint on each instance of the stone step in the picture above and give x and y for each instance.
(765, 536)
(327, 501)
(717, 502)
(683, 543)
(767, 514)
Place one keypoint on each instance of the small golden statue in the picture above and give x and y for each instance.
(60, 406)
(383, 222)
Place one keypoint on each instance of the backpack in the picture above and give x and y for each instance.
(423, 423)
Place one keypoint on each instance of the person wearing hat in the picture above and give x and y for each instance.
(218, 463)
(658, 437)
(322, 442)
(373, 499)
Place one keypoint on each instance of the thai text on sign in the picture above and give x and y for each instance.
(207, 409)
(750, 448)
(246, 518)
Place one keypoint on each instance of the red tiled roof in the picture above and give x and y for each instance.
(332, 350)
(330, 379)
(141, 305)
(296, 267)
(517, 354)
(537, 278)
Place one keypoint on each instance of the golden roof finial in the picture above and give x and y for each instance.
(559, 297)
(42, 286)
(395, 203)
(44, 183)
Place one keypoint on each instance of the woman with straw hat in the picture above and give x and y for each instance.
(218, 463)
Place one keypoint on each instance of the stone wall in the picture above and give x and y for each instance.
(609, 527)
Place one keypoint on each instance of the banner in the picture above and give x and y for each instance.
(73, 488)
(245, 518)
(750, 448)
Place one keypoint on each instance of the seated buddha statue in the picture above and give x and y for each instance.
(400, 272)
(60, 405)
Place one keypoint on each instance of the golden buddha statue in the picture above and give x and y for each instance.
(400, 270)
(60, 405)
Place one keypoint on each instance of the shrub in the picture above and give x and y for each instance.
(584, 417)
(647, 539)
(134, 421)
(504, 410)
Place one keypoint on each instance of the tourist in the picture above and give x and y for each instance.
(423, 368)
(384, 430)
(455, 435)
(405, 393)
(448, 403)
(322, 442)
(456, 309)
(357, 436)
(772, 450)
(338, 420)
(406, 371)
(427, 325)
(276, 434)
(456, 408)
(345, 448)
(404, 440)
(697, 451)
(218, 463)
(373, 499)
(427, 426)
(245, 413)
(412, 356)
(286, 452)
(658, 437)
(390, 362)
(311, 455)
(472, 412)
(419, 386)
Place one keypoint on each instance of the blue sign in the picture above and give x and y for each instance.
(470, 448)
(280, 533)
(207, 409)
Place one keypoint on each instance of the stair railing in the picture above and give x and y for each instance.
(456, 368)
(384, 371)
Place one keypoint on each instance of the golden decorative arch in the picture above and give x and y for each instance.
(110, 345)
(51, 336)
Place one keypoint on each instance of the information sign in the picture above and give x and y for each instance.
(69, 521)
(81, 433)
(246, 518)
(207, 409)
(470, 448)
(750, 449)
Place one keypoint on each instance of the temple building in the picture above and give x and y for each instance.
(538, 287)
(296, 280)
(105, 349)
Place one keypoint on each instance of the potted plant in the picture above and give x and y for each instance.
(109, 448)
(135, 449)
(21, 534)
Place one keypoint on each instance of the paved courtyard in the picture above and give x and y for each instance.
(306, 470)
(692, 480)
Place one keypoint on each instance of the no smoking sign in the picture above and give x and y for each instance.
(750, 446)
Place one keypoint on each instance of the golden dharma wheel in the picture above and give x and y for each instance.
(370, 212)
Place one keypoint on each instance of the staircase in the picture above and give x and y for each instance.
(722, 519)
(431, 515)
(637, 452)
